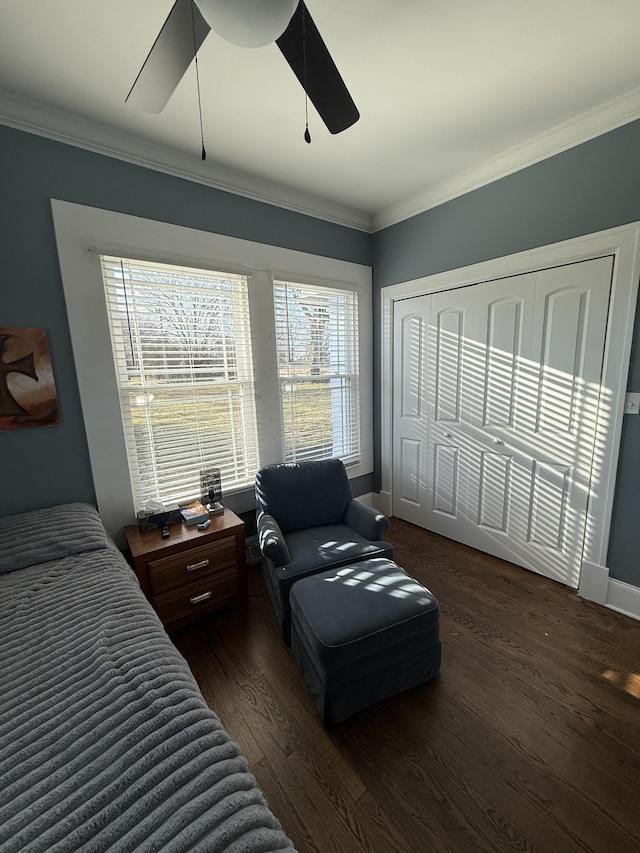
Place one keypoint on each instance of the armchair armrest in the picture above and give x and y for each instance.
(366, 521)
(271, 540)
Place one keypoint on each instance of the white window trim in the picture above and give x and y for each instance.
(83, 233)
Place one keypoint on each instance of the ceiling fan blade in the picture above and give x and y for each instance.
(172, 53)
(324, 85)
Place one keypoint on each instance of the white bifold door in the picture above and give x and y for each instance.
(497, 387)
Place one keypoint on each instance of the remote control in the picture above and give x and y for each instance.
(166, 532)
(204, 524)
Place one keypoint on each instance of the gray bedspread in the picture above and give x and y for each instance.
(105, 740)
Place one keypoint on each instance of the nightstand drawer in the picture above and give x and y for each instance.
(172, 572)
(190, 600)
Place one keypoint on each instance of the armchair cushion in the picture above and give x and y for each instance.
(317, 548)
(304, 494)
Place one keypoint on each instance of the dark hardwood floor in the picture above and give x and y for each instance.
(529, 740)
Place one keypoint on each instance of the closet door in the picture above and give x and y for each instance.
(559, 397)
(511, 379)
(451, 353)
(487, 363)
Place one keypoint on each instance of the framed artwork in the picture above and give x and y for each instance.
(27, 389)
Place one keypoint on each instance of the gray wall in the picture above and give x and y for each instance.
(48, 465)
(589, 188)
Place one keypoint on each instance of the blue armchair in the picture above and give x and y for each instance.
(308, 522)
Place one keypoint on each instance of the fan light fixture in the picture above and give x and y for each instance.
(248, 23)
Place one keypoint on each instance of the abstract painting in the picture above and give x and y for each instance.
(27, 388)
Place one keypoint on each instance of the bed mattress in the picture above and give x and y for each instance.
(106, 742)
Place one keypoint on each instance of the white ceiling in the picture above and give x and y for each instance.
(452, 93)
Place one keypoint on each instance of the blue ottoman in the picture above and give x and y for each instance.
(362, 633)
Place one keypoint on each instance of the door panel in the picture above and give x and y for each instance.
(449, 324)
(410, 416)
(411, 465)
(445, 480)
(493, 492)
(550, 490)
(564, 329)
(412, 366)
(504, 333)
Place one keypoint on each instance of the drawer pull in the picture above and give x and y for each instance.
(203, 597)
(201, 565)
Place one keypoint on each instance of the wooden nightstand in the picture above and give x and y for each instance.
(193, 572)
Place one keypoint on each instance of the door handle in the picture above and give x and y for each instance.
(447, 435)
(498, 441)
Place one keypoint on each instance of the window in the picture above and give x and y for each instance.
(181, 340)
(182, 352)
(317, 350)
(245, 268)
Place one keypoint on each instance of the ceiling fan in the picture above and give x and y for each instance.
(249, 23)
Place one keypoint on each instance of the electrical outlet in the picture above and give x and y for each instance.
(632, 404)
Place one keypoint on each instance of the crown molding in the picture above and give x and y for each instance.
(587, 125)
(62, 127)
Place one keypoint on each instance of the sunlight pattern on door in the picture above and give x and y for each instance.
(511, 398)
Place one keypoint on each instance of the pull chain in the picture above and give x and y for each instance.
(195, 56)
(307, 135)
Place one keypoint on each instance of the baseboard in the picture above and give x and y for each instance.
(367, 499)
(624, 598)
(253, 549)
(382, 502)
(596, 585)
(378, 500)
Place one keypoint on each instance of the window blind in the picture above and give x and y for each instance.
(317, 348)
(182, 352)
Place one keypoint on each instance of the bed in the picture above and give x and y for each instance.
(106, 742)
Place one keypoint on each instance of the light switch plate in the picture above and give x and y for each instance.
(632, 404)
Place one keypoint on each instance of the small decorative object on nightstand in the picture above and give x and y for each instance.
(193, 572)
(211, 488)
